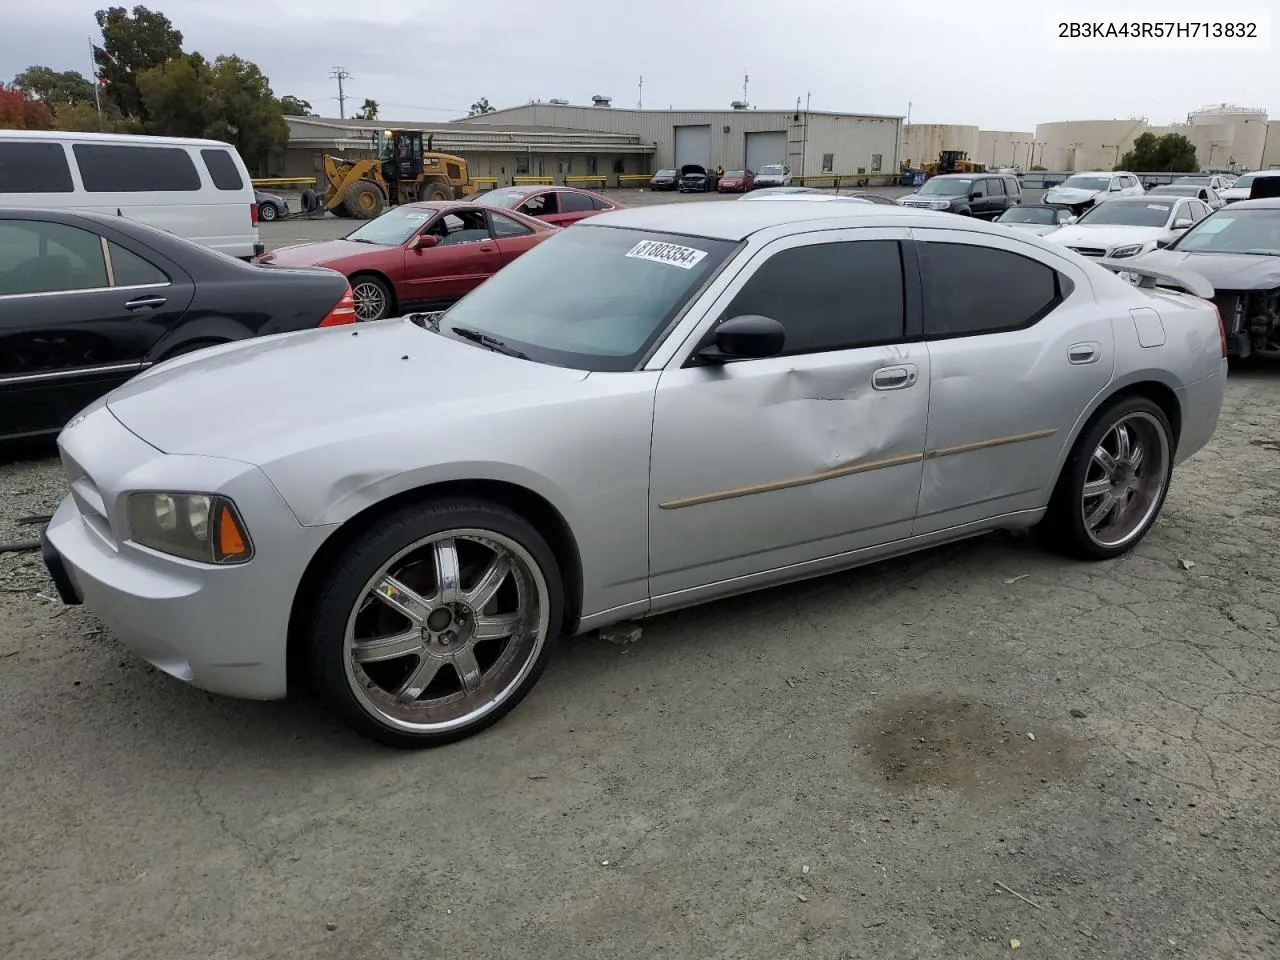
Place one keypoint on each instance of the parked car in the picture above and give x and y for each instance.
(1241, 188)
(270, 206)
(984, 195)
(559, 206)
(804, 197)
(1037, 218)
(1080, 191)
(621, 423)
(1214, 181)
(762, 193)
(1130, 226)
(665, 180)
(420, 255)
(736, 181)
(88, 301)
(1237, 249)
(1206, 194)
(695, 178)
(774, 175)
(197, 189)
(873, 198)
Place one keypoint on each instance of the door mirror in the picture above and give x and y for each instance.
(748, 337)
(975, 195)
(1072, 218)
(1182, 223)
(1162, 243)
(1117, 186)
(425, 241)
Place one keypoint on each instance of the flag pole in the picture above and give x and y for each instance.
(97, 94)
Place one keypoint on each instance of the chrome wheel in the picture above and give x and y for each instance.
(1125, 480)
(446, 631)
(371, 300)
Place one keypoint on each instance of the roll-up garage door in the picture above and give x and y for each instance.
(693, 145)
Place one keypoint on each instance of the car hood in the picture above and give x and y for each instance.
(1039, 229)
(319, 254)
(1235, 193)
(255, 399)
(1071, 195)
(1108, 236)
(1226, 271)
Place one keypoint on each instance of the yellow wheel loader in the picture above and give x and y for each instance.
(402, 172)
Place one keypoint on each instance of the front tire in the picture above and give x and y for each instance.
(435, 622)
(373, 298)
(267, 212)
(1114, 483)
(364, 200)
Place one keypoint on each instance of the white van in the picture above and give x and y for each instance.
(197, 189)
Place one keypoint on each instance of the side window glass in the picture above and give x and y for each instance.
(504, 226)
(114, 168)
(575, 202)
(222, 169)
(130, 270)
(829, 296)
(995, 187)
(40, 257)
(971, 290)
(979, 187)
(461, 226)
(34, 168)
(601, 204)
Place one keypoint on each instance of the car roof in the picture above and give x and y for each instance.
(1262, 203)
(124, 139)
(737, 221)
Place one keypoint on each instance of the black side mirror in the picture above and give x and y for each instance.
(748, 337)
(974, 196)
(1163, 242)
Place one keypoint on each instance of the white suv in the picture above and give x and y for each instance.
(773, 175)
(1082, 190)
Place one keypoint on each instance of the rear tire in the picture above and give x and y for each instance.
(436, 191)
(374, 298)
(341, 211)
(435, 621)
(1114, 483)
(364, 200)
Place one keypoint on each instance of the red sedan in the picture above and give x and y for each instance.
(736, 181)
(561, 206)
(419, 255)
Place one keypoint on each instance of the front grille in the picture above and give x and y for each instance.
(1090, 251)
(88, 499)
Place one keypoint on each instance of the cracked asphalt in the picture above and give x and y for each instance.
(861, 766)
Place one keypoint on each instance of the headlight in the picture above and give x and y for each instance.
(939, 204)
(1132, 250)
(195, 526)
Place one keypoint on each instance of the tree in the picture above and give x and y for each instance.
(369, 111)
(294, 107)
(131, 43)
(83, 117)
(54, 88)
(175, 97)
(243, 111)
(21, 111)
(481, 106)
(1170, 153)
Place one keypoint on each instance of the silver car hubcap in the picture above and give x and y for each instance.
(1125, 480)
(370, 301)
(446, 630)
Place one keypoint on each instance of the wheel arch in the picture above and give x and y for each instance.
(545, 517)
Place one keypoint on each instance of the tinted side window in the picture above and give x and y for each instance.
(504, 226)
(971, 290)
(1012, 187)
(539, 205)
(995, 187)
(111, 168)
(575, 202)
(222, 169)
(39, 257)
(130, 270)
(829, 296)
(602, 204)
(34, 168)
(979, 187)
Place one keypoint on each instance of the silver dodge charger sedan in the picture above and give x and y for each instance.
(659, 407)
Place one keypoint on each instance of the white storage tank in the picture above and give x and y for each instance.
(1239, 132)
(922, 142)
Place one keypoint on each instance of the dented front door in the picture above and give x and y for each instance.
(760, 465)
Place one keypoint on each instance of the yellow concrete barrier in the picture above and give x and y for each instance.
(486, 183)
(284, 182)
(526, 181)
(597, 180)
(634, 179)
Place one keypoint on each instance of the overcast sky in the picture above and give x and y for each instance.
(992, 65)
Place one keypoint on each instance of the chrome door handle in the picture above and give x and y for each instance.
(1083, 353)
(145, 303)
(894, 378)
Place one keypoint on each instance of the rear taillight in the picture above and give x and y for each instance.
(253, 214)
(1222, 330)
(344, 311)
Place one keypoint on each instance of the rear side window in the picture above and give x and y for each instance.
(575, 202)
(601, 204)
(34, 168)
(222, 169)
(995, 188)
(115, 168)
(1012, 187)
(130, 270)
(971, 290)
(504, 226)
(829, 296)
(41, 257)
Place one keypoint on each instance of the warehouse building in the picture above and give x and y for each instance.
(812, 142)
(496, 151)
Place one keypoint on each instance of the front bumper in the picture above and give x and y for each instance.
(223, 629)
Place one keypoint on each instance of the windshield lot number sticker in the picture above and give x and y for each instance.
(671, 253)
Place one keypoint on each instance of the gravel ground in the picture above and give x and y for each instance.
(859, 766)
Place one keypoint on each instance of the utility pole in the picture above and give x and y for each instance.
(339, 74)
(640, 102)
(745, 80)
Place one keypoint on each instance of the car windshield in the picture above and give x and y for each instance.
(1188, 190)
(771, 169)
(1129, 213)
(1245, 182)
(1234, 231)
(1087, 183)
(945, 188)
(1041, 215)
(1192, 181)
(591, 298)
(394, 227)
(666, 173)
(735, 173)
(508, 199)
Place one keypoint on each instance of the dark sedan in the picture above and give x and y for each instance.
(695, 178)
(665, 180)
(88, 300)
(270, 206)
